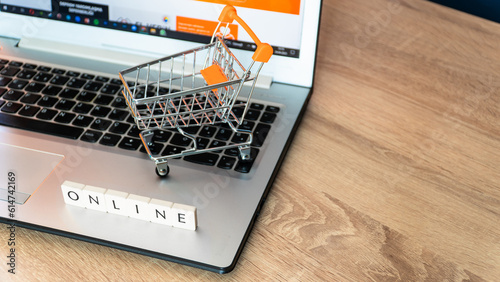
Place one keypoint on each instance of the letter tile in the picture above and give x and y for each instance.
(73, 193)
(138, 207)
(94, 198)
(160, 211)
(184, 216)
(116, 202)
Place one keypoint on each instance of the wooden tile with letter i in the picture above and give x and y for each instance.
(138, 207)
(94, 198)
(184, 216)
(160, 211)
(72, 193)
(116, 202)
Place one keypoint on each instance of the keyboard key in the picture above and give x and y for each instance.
(86, 96)
(245, 166)
(2, 91)
(272, 109)
(44, 68)
(83, 121)
(76, 83)
(110, 89)
(58, 71)
(203, 158)
(256, 106)
(11, 107)
(118, 115)
(232, 152)
(68, 93)
(18, 84)
(119, 102)
(202, 143)
(46, 114)
(26, 74)
(30, 98)
(47, 101)
(252, 115)
(110, 139)
(119, 127)
(43, 77)
(82, 108)
(239, 137)
(12, 95)
(65, 105)
(101, 124)
(88, 76)
(29, 111)
(260, 133)
(226, 162)
(154, 147)
(207, 131)
(34, 87)
(224, 134)
(217, 143)
(40, 126)
(134, 131)
(91, 136)
(103, 99)
(9, 71)
(180, 140)
(64, 117)
(191, 129)
(102, 79)
(30, 66)
(116, 81)
(73, 74)
(161, 135)
(172, 150)
(268, 117)
(100, 111)
(59, 80)
(130, 143)
(4, 80)
(247, 125)
(15, 64)
(93, 86)
(237, 111)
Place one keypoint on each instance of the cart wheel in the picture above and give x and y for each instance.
(162, 172)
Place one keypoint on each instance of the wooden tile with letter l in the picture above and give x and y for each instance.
(73, 193)
(160, 212)
(138, 207)
(94, 198)
(184, 216)
(116, 202)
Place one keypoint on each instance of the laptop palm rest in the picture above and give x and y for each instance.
(23, 170)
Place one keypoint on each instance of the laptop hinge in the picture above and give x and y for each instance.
(109, 54)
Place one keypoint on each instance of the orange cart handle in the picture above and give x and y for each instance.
(264, 51)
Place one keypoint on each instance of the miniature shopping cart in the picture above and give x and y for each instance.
(175, 93)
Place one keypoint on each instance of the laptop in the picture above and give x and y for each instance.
(65, 124)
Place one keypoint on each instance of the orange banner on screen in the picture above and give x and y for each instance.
(204, 27)
(282, 6)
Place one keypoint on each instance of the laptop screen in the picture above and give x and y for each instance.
(278, 23)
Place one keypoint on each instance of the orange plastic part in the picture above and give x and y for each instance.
(264, 51)
(213, 75)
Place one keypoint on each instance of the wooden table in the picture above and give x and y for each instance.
(393, 175)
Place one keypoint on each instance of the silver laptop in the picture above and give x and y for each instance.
(65, 123)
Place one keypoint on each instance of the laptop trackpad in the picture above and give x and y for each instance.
(23, 170)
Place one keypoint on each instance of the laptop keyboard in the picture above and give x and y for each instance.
(91, 108)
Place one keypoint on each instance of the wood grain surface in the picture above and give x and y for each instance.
(393, 175)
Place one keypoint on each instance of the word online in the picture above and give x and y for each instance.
(134, 206)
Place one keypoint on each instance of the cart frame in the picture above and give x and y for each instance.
(173, 92)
